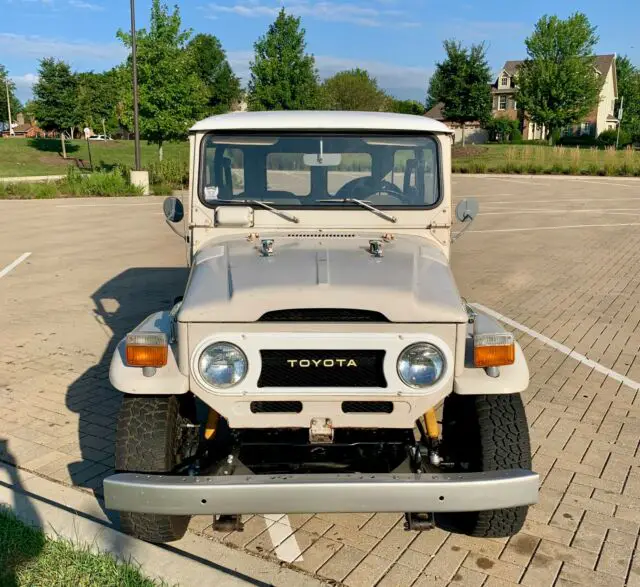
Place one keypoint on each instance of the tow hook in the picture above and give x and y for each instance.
(419, 522)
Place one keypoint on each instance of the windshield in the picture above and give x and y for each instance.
(294, 171)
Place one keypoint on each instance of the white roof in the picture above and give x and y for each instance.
(320, 120)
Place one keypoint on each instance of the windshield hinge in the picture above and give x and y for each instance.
(434, 225)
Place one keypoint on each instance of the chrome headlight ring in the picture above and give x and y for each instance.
(420, 365)
(222, 365)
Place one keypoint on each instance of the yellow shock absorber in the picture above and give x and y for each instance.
(433, 430)
(212, 424)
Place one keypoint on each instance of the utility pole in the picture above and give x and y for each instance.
(6, 81)
(134, 67)
(620, 113)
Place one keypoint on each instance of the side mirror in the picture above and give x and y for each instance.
(173, 209)
(467, 209)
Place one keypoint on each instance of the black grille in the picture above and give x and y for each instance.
(367, 407)
(323, 315)
(275, 407)
(320, 368)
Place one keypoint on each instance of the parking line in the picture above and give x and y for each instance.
(281, 533)
(105, 205)
(552, 227)
(13, 265)
(623, 211)
(562, 348)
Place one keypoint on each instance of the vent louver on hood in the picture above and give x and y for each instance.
(323, 315)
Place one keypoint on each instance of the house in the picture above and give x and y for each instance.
(602, 118)
(22, 129)
(473, 131)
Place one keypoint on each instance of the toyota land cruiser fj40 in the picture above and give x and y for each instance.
(321, 358)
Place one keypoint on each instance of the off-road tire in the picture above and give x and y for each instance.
(147, 441)
(485, 433)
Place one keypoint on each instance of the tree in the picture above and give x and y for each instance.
(283, 76)
(98, 95)
(55, 98)
(171, 96)
(558, 84)
(354, 89)
(629, 88)
(407, 107)
(209, 61)
(461, 83)
(13, 101)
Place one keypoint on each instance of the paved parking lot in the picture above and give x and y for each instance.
(558, 258)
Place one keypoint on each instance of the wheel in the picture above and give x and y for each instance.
(148, 440)
(485, 433)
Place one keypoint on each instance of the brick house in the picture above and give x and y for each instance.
(602, 118)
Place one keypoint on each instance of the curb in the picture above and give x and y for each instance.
(32, 179)
(66, 512)
(612, 178)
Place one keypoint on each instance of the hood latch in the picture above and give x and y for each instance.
(375, 247)
(266, 247)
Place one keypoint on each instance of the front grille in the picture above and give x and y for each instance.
(367, 407)
(276, 407)
(322, 368)
(323, 315)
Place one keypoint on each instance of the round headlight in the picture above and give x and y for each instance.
(420, 365)
(222, 364)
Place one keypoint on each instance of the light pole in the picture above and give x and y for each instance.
(620, 113)
(134, 67)
(6, 82)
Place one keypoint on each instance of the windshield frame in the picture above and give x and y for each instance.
(318, 134)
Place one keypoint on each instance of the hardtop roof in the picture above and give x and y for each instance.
(320, 120)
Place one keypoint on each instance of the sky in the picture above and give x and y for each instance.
(398, 41)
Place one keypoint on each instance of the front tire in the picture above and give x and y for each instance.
(485, 433)
(148, 440)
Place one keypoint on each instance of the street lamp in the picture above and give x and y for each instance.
(134, 64)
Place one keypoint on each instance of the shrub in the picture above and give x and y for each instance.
(608, 138)
(503, 130)
(584, 141)
(174, 172)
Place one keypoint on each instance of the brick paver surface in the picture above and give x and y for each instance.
(538, 254)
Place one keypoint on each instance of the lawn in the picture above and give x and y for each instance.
(537, 159)
(29, 558)
(21, 157)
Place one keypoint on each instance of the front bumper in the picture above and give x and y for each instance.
(320, 493)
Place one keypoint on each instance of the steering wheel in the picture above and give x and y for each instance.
(362, 188)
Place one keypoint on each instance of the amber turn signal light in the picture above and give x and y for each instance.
(146, 349)
(493, 350)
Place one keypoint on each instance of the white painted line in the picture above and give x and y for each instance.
(104, 205)
(281, 534)
(552, 227)
(562, 348)
(13, 265)
(556, 201)
(512, 180)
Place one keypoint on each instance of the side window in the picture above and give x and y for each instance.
(286, 172)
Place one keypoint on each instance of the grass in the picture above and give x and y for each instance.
(537, 159)
(28, 557)
(22, 157)
(75, 184)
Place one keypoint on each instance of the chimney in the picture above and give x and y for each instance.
(20, 118)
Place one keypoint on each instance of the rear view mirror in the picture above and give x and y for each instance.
(322, 159)
(467, 209)
(173, 209)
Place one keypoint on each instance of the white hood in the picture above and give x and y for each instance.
(231, 281)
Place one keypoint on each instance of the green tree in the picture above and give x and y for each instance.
(209, 61)
(557, 83)
(98, 95)
(56, 96)
(171, 95)
(283, 76)
(407, 107)
(13, 101)
(462, 83)
(354, 89)
(629, 88)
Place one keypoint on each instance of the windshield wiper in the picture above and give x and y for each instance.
(265, 205)
(364, 205)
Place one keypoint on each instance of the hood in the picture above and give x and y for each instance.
(231, 281)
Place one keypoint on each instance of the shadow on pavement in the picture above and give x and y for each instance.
(119, 305)
(17, 547)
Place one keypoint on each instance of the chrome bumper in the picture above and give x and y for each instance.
(272, 494)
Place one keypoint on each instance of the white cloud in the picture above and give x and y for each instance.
(327, 10)
(36, 46)
(24, 84)
(403, 79)
(82, 5)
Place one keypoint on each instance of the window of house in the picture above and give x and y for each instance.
(505, 81)
(502, 103)
(585, 128)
